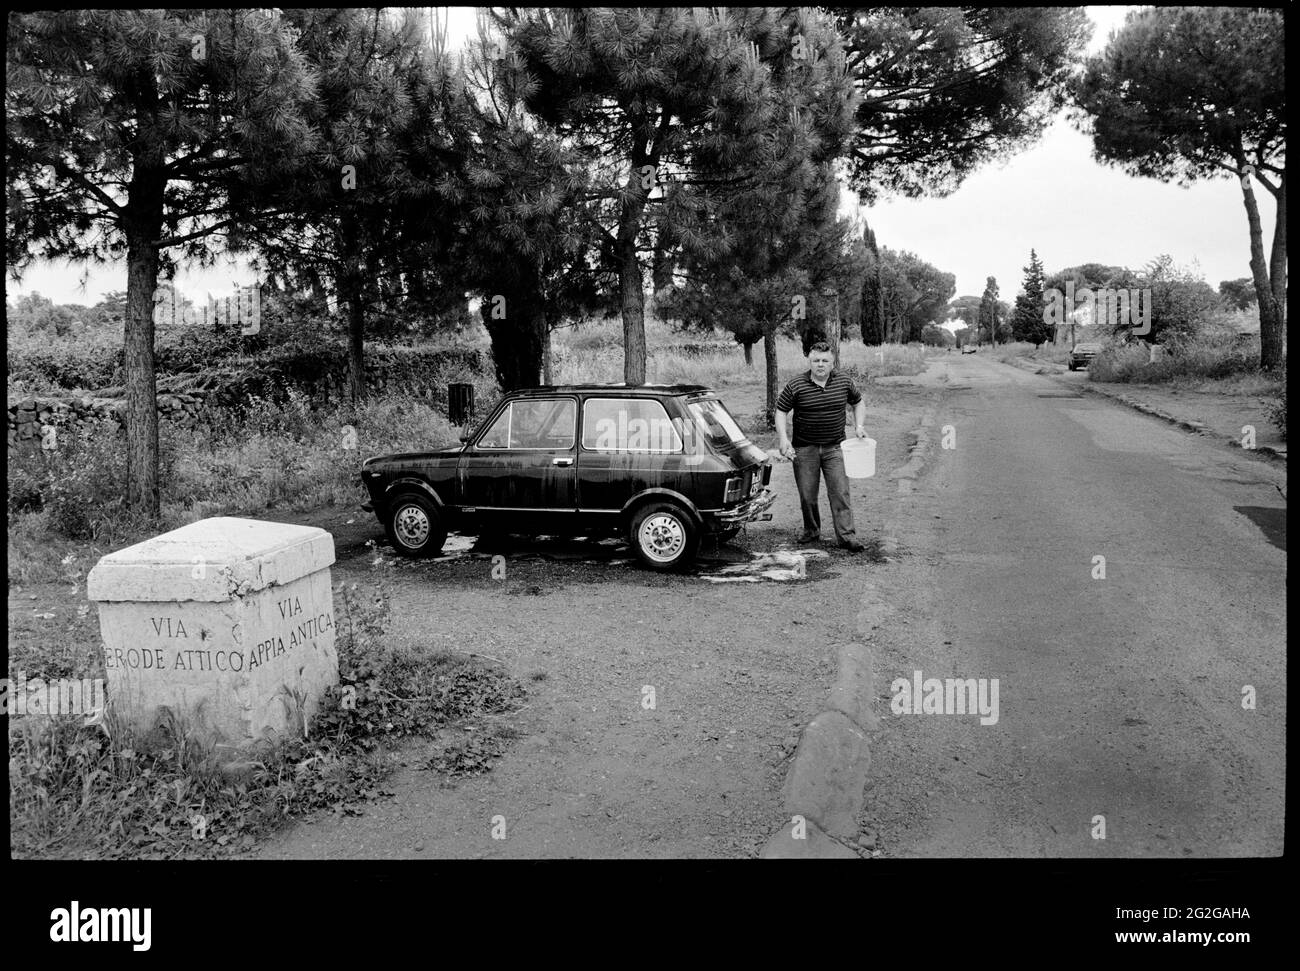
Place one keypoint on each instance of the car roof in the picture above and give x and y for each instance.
(656, 390)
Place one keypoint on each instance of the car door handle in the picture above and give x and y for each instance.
(561, 461)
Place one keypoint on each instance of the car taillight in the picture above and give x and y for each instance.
(767, 473)
(734, 489)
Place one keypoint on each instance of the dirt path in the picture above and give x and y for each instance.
(736, 670)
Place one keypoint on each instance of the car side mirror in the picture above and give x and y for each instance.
(464, 439)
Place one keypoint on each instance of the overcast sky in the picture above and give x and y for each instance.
(1053, 197)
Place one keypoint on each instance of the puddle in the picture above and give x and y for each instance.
(586, 549)
(1270, 520)
(779, 565)
(714, 564)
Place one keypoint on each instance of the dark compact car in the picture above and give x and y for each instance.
(1081, 355)
(660, 464)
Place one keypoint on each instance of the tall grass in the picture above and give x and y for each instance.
(593, 354)
(1205, 364)
(237, 462)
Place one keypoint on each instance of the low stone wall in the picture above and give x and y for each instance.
(28, 415)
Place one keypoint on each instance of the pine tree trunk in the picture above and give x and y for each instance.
(548, 365)
(517, 339)
(769, 362)
(1271, 293)
(143, 227)
(356, 347)
(631, 282)
(633, 303)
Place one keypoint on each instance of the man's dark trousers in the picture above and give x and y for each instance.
(811, 462)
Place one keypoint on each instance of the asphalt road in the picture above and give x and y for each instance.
(1120, 699)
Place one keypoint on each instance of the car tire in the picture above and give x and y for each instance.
(1071, 366)
(663, 536)
(414, 526)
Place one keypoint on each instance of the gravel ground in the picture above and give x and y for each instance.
(736, 669)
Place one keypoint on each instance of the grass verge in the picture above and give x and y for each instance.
(99, 790)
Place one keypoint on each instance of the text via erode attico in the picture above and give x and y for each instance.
(176, 658)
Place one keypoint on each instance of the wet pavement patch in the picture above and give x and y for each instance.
(778, 565)
(714, 563)
(1270, 519)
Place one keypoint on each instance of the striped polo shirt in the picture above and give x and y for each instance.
(818, 412)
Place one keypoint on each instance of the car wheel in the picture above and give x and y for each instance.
(415, 527)
(1071, 366)
(663, 536)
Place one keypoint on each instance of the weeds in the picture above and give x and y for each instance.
(101, 790)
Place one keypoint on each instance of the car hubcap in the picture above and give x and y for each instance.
(662, 537)
(412, 527)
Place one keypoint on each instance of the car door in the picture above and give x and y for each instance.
(628, 445)
(519, 474)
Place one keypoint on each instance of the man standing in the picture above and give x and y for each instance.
(818, 400)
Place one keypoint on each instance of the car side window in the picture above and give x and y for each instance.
(628, 425)
(498, 436)
(540, 423)
(545, 423)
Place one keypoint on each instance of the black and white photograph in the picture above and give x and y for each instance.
(445, 438)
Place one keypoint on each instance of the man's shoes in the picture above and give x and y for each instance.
(853, 546)
(808, 536)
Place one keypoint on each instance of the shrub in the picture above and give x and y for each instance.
(79, 483)
(1118, 363)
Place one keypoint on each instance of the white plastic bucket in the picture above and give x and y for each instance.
(859, 457)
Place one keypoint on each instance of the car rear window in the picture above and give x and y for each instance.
(715, 422)
(628, 425)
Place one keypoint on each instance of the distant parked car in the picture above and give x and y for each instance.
(662, 465)
(1081, 355)
(968, 349)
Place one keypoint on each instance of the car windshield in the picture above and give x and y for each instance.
(715, 422)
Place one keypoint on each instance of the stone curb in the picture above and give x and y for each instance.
(826, 780)
(828, 776)
(1200, 428)
(815, 845)
(917, 453)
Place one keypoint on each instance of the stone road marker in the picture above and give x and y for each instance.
(229, 622)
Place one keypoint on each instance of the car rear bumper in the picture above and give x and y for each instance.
(746, 512)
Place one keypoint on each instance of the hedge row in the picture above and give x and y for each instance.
(320, 371)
